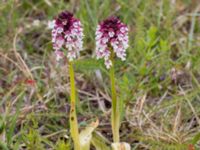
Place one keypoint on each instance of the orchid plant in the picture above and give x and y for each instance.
(67, 39)
(111, 41)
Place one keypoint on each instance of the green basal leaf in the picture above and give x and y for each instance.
(121, 146)
(85, 136)
(100, 142)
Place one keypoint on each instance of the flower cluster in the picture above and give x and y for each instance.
(111, 33)
(67, 32)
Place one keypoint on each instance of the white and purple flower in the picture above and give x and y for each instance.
(67, 32)
(111, 33)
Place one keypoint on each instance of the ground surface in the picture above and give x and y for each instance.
(158, 84)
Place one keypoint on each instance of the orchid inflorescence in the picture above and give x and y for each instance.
(111, 33)
(67, 32)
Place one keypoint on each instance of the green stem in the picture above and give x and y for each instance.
(115, 117)
(73, 117)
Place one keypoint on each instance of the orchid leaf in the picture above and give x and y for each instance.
(121, 146)
(86, 135)
(100, 142)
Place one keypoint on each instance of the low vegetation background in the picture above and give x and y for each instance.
(158, 84)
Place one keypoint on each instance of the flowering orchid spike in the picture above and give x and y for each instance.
(111, 33)
(67, 32)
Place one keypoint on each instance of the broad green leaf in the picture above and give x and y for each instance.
(100, 142)
(121, 146)
(86, 135)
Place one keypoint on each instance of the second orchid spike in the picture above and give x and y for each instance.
(111, 34)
